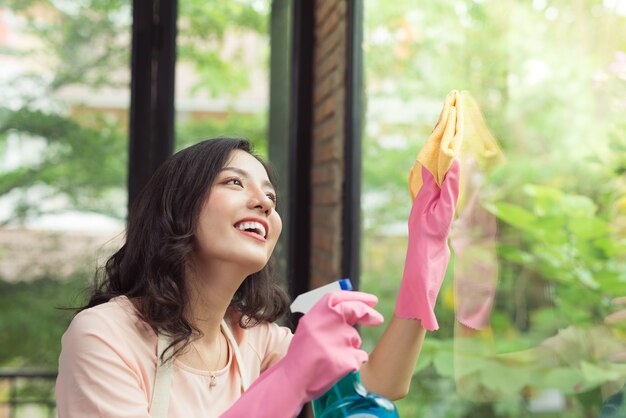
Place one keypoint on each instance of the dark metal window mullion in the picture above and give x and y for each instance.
(299, 250)
(153, 63)
(351, 216)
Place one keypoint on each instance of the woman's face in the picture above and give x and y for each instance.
(238, 223)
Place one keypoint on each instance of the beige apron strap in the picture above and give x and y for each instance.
(245, 381)
(159, 406)
(161, 393)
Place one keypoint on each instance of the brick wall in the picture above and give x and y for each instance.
(329, 98)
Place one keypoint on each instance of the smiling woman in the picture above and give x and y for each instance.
(190, 295)
(182, 323)
(185, 265)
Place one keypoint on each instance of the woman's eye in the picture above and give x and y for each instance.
(271, 196)
(236, 182)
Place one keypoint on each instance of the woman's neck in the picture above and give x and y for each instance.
(210, 294)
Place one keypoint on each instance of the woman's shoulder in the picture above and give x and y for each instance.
(117, 318)
(107, 362)
(262, 337)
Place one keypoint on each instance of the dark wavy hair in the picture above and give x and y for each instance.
(160, 236)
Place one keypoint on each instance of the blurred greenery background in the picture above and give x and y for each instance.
(549, 76)
(550, 79)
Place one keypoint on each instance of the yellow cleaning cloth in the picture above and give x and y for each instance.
(461, 132)
(442, 146)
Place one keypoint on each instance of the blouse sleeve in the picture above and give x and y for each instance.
(277, 343)
(96, 378)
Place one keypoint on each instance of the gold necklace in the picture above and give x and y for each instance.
(213, 381)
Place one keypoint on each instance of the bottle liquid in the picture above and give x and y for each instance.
(348, 397)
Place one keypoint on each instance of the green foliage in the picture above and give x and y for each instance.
(33, 320)
(549, 78)
(249, 126)
(79, 160)
(80, 156)
(563, 239)
(83, 156)
(203, 29)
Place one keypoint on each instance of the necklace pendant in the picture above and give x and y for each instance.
(212, 383)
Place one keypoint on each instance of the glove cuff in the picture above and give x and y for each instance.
(412, 308)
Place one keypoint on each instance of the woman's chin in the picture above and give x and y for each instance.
(251, 265)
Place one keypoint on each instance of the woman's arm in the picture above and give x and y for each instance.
(390, 367)
(391, 364)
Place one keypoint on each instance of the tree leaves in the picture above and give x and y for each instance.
(85, 46)
(84, 163)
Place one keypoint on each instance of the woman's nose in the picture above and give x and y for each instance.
(259, 200)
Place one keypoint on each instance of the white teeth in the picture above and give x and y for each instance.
(256, 226)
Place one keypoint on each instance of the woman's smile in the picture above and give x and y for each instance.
(256, 228)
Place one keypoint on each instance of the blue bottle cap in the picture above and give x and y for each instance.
(345, 284)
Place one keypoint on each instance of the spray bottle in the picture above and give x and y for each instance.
(348, 397)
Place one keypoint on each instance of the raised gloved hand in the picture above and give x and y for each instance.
(427, 252)
(324, 348)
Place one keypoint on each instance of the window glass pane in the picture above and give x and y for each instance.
(222, 72)
(63, 154)
(542, 218)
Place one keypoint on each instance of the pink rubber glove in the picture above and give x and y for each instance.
(324, 348)
(427, 253)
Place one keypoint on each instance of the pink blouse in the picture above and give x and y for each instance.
(108, 363)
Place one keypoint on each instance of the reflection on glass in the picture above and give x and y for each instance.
(540, 241)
